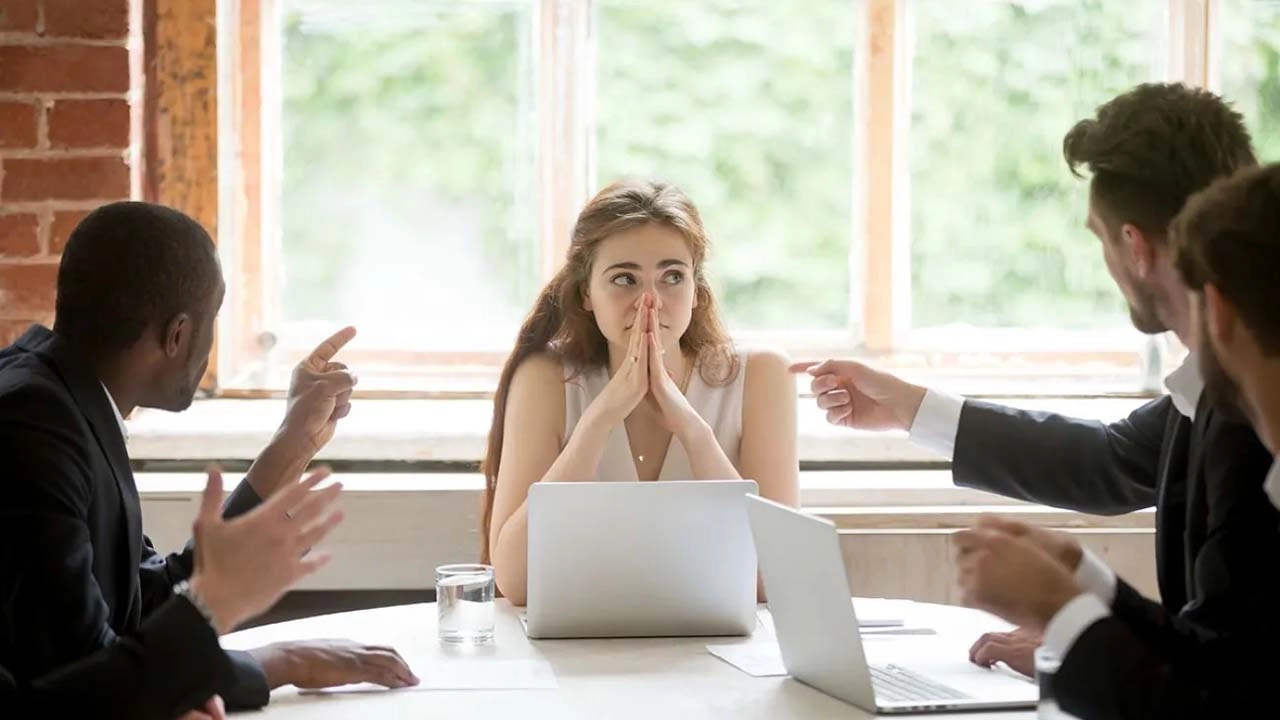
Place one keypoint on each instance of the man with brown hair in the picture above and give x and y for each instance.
(1141, 665)
(1147, 150)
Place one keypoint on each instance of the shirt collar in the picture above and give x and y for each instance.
(1185, 386)
(1272, 484)
(124, 430)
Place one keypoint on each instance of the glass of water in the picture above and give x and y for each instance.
(464, 598)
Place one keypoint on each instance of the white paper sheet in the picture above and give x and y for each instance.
(761, 657)
(460, 673)
(757, 659)
(874, 615)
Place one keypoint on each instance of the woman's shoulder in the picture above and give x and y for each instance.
(763, 363)
(735, 364)
(541, 370)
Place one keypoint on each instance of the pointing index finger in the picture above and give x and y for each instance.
(325, 351)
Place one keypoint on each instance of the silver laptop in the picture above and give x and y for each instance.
(817, 628)
(640, 559)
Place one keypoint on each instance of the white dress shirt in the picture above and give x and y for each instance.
(938, 419)
(1272, 484)
(935, 427)
(124, 431)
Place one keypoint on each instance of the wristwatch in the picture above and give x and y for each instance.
(185, 590)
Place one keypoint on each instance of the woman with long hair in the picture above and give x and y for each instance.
(623, 371)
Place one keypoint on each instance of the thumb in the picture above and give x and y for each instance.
(216, 709)
(211, 499)
(826, 367)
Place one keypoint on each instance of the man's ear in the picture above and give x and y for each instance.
(177, 333)
(1221, 320)
(1142, 253)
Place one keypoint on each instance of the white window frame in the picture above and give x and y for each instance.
(879, 261)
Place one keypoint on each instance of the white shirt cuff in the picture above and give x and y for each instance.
(1094, 576)
(1071, 621)
(937, 422)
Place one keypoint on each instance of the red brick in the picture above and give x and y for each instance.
(65, 178)
(64, 68)
(27, 290)
(64, 221)
(10, 330)
(89, 123)
(17, 125)
(99, 19)
(19, 15)
(19, 234)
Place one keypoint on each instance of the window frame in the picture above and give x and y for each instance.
(224, 179)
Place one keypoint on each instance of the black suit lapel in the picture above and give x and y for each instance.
(91, 398)
(1171, 503)
(1196, 511)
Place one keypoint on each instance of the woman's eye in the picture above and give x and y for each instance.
(623, 280)
(673, 278)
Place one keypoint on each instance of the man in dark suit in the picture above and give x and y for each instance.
(1130, 660)
(173, 662)
(139, 286)
(1148, 150)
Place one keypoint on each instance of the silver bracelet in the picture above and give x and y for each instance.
(185, 590)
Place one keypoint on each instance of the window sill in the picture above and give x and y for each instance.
(454, 431)
(401, 525)
(852, 499)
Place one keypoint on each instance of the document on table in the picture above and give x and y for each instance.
(874, 615)
(460, 673)
(757, 659)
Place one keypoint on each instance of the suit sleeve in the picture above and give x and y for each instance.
(159, 573)
(247, 688)
(1209, 660)
(1065, 462)
(1112, 674)
(52, 611)
(171, 665)
(1236, 589)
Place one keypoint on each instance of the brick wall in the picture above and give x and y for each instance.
(67, 137)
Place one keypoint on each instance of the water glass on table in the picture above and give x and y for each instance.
(464, 598)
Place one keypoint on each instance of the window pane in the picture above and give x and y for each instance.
(747, 106)
(1251, 69)
(997, 219)
(408, 169)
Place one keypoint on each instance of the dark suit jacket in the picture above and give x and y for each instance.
(75, 569)
(1143, 663)
(1217, 540)
(173, 663)
(1205, 479)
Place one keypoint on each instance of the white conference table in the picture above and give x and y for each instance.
(624, 678)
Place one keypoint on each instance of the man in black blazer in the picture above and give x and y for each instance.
(1148, 150)
(139, 286)
(173, 662)
(1128, 659)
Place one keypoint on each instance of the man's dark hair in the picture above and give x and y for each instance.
(130, 266)
(1229, 236)
(1149, 149)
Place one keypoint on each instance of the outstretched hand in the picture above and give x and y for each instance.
(319, 394)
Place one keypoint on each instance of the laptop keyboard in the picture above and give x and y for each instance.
(896, 684)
